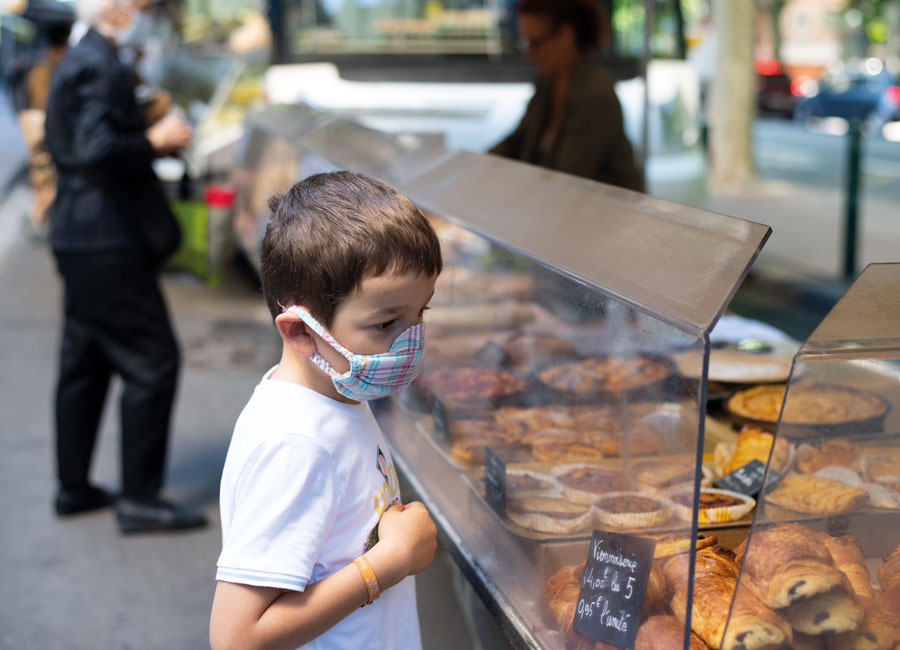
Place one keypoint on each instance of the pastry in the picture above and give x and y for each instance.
(548, 514)
(787, 563)
(525, 481)
(848, 558)
(889, 571)
(529, 351)
(676, 543)
(660, 475)
(470, 452)
(889, 601)
(583, 483)
(812, 404)
(598, 374)
(524, 421)
(815, 495)
(878, 631)
(562, 446)
(753, 444)
(831, 452)
(559, 598)
(832, 612)
(468, 383)
(802, 641)
(665, 632)
(631, 510)
(752, 625)
(714, 505)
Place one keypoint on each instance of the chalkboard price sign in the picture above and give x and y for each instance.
(495, 481)
(613, 588)
(441, 426)
(747, 479)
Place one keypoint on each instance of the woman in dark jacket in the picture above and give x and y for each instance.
(573, 123)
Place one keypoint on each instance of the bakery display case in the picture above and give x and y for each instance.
(552, 418)
(818, 570)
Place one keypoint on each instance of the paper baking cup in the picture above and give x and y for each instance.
(715, 515)
(552, 483)
(633, 520)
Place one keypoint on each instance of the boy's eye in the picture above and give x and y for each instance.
(385, 326)
(424, 309)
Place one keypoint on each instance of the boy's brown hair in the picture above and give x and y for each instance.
(330, 231)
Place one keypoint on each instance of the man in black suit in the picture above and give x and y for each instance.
(111, 229)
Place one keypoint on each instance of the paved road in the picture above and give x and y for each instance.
(788, 151)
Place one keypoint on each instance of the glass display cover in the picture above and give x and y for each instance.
(818, 567)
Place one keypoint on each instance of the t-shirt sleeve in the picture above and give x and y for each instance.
(285, 503)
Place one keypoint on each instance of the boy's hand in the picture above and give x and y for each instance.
(407, 542)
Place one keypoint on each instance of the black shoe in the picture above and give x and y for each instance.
(85, 499)
(154, 514)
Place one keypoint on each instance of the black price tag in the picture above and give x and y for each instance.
(747, 479)
(493, 355)
(441, 425)
(613, 588)
(495, 481)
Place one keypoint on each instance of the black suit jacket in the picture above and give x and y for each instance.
(107, 198)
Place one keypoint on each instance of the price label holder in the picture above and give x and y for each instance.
(495, 481)
(441, 425)
(493, 355)
(748, 479)
(613, 588)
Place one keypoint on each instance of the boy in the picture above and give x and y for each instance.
(312, 526)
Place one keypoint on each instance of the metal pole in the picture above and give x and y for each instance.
(851, 212)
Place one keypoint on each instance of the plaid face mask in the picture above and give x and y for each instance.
(371, 375)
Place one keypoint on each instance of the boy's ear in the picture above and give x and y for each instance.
(295, 333)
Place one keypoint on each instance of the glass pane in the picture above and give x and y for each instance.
(820, 559)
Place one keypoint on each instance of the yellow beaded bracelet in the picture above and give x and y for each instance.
(368, 575)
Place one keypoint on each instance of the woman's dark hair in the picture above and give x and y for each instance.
(588, 19)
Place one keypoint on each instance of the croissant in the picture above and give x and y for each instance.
(788, 563)
(831, 612)
(889, 601)
(753, 625)
(664, 632)
(675, 543)
(656, 589)
(848, 557)
(559, 599)
(878, 631)
(889, 571)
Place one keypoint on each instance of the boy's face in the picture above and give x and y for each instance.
(369, 319)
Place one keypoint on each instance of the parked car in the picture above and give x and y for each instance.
(774, 89)
(862, 90)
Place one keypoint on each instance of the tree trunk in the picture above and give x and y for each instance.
(732, 102)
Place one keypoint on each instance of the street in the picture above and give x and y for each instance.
(787, 151)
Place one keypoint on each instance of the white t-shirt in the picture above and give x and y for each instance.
(304, 485)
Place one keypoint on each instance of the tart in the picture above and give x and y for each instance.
(815, 495)
(604, 374)
(631, 510)
(525, 481)
(660, 475)
(714, 505)
(582, 483)
(810, 405)
(549, 514)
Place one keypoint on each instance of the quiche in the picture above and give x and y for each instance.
(713, 505)
(811, 404)
(660, 475)
(468, 383)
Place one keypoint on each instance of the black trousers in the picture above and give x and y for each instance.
(115, 322)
